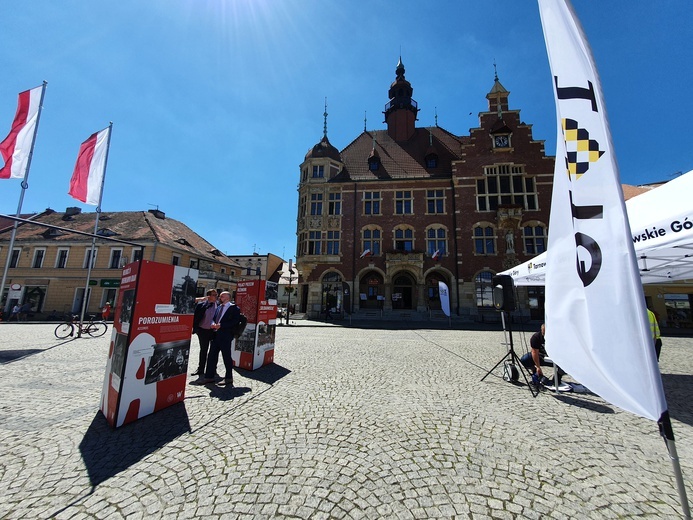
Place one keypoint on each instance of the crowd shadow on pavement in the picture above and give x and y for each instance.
(224, 393)
(269, 374)
(106, 451)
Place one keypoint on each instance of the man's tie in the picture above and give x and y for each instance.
(217, 313)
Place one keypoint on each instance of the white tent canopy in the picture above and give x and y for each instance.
(661, 223)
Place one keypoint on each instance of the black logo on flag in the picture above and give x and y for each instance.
(580, 150)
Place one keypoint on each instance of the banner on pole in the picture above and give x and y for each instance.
(596, 322)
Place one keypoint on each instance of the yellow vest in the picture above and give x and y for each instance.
(654, 326)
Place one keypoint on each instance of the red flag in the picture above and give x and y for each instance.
(87, 178)
(17, 146)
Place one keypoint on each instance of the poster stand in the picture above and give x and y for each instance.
(258, 301)
(147, 364)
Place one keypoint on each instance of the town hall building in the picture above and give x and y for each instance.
(383, 221)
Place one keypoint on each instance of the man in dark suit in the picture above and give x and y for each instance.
(225, 320)
(202, 326)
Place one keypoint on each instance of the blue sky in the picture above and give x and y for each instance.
(215, 103)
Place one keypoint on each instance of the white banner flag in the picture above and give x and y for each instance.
(596, 322)
(444, 295)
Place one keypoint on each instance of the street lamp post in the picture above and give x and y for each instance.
(288, 302)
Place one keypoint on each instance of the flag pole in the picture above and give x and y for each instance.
(25, 185)
(93, 239)
(667, 432)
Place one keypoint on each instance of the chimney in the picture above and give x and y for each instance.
(158, 214)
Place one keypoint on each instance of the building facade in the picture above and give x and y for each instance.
(49, 263)
(399, 210)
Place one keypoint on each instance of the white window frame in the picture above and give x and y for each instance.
(19, 256)
(57, 257)
(43, 258)
(120, 257)
(85, 264)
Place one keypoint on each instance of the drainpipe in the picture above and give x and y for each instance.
(457, 265)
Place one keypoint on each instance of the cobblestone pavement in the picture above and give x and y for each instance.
(349, 423)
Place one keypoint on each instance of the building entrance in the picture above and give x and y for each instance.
(403, 292)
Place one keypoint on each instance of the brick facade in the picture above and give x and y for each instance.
(482, 200)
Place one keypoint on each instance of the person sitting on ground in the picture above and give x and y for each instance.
(536, 358)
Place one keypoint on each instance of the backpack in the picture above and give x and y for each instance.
(240, 327)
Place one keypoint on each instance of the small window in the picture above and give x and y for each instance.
(332, 242)
(116, 255)
(335, 204)
(87, 257)
(403, 203)
(371, 203)
(175, 260)
(14, 260)
(435, 201)
(316, 204)
(61, 258)
(39, 254)
(484, 240)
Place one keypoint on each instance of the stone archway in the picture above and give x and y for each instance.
(371, 291)
(403, 291)
(433, 291)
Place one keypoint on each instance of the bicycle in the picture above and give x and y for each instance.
(93, 328)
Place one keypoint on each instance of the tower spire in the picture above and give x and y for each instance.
(324, 125)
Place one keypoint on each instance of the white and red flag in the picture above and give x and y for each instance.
(87, 179)
(436, 255)
(17, 146)
(366, 253)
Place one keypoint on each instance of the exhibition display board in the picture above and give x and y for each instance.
(258, 301)
(150, 344)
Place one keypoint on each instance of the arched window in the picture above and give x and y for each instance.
(484, 289)
(534, 238)
(404, 238)
(371, 240)
(433, 290)
(436, 240)
(484, 239)
(332, 291)
(431, 160)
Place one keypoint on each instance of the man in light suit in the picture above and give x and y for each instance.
(225, 320)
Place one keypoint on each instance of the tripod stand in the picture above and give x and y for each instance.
(512, 357)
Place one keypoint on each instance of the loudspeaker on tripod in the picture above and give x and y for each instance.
(503, 292)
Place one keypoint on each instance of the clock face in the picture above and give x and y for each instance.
(501, 141)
